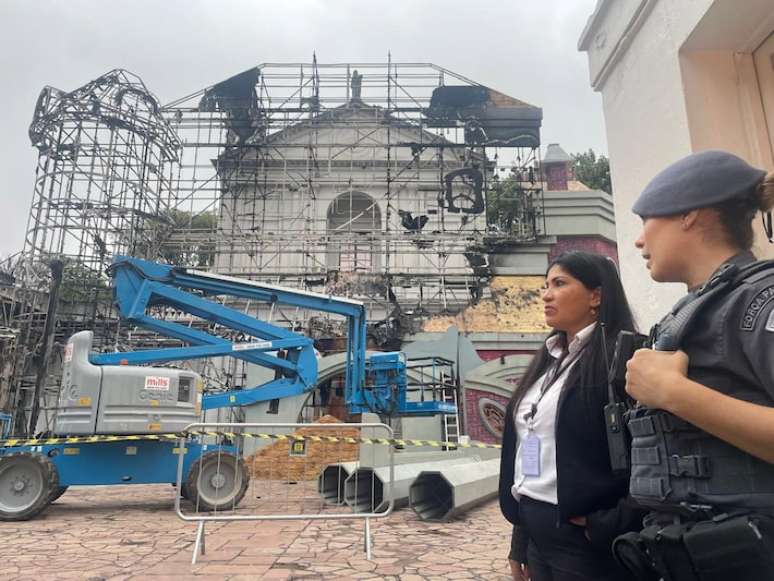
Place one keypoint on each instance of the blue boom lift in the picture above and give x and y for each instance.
(116, 415)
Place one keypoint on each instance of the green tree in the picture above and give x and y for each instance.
(189, 238)
(80, 283)
(592, 170)
(510, 207)
(81, 280)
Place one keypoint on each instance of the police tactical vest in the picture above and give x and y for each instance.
(678, 467)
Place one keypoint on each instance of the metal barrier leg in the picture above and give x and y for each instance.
(368, 539)
(199, 544)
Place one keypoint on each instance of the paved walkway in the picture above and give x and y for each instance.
(131, 532)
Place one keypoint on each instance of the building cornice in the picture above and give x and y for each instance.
(595, 33)
(592, 24)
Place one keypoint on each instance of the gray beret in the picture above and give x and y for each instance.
(697, 181)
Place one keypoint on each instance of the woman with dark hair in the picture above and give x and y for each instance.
(556, 483)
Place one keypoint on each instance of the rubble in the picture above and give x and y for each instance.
(274, 461)
(514, 307)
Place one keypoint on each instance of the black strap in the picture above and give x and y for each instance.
(671, 330)
(767, 226)
(748, 271)
(559, 367)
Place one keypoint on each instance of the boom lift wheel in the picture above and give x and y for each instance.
(216, 481)
(184, 491)
(27, 483)
(55, 494)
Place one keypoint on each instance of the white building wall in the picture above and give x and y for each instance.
(637, 52)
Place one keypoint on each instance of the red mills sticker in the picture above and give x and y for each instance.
(156, 383)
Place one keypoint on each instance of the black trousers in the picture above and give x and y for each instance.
(560, 551)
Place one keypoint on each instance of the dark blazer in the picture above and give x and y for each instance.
(586, 485)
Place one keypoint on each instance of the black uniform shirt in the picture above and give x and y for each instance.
(731, 343)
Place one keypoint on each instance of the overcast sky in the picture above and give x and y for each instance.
(524, 48)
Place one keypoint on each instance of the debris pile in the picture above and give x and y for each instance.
(280, 461)
(514, 307)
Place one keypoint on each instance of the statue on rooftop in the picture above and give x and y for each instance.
(357, 85)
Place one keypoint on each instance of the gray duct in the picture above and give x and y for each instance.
(440, 494)
(367, 489)
(382, 457)
(330, 482)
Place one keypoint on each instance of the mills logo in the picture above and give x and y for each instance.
(155, 383)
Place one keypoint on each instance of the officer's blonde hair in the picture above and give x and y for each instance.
(736, 215)
(766, 192)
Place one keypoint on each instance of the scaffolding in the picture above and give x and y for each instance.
(392, 183)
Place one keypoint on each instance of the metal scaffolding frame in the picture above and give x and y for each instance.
(378, 181)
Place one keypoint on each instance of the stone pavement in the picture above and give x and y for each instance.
(131, 532)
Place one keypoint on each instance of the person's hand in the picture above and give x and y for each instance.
(651, 376)
(519, 572)
(581, 521)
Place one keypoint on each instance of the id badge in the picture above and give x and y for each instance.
(530, 456)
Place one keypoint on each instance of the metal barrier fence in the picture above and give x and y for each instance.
(282, 471)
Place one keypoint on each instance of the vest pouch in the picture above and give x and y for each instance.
(736, 547)
(675, 466)
(631, 552)
(668, 552)
(649, 481)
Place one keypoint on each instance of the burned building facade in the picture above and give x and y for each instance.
(373, 193)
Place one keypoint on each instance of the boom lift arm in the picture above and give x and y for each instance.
(378, 384)
(139, 285)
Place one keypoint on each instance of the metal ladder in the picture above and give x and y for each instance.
(451, 422)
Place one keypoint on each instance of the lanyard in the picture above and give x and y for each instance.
(559, 367)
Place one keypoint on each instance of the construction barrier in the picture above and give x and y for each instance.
(277, 472)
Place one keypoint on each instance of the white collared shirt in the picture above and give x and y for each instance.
(543, 424)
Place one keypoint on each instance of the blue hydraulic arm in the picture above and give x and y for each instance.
(140, 284)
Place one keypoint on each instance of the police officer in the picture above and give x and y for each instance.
(703, 430)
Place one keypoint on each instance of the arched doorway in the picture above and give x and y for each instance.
(354, 218)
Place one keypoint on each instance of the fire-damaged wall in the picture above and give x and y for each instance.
(514, 306)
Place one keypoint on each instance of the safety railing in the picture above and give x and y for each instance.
(231, 472)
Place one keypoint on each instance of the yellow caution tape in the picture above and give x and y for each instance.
(348, 439)
(13, 443)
